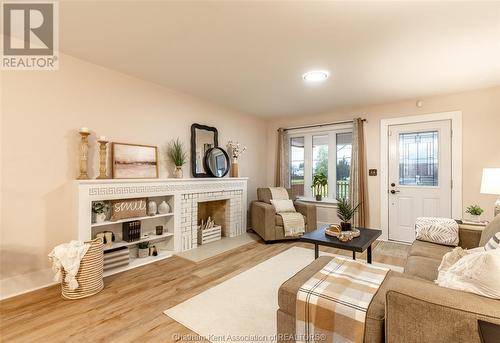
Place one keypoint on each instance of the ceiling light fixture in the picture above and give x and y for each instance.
(316, 76)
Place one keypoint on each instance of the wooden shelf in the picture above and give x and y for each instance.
(131, 219)
(143, 239)
(137, 262)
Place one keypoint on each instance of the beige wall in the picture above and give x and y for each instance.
(41, 112)
(481, 138)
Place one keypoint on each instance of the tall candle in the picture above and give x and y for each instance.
(84, 129)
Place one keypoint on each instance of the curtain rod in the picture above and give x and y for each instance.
(318, 125)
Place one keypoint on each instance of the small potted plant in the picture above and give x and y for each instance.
(475, 212)
(100, 209)
(345, 212)
(143, 249)
(178, 156)
(320, 181)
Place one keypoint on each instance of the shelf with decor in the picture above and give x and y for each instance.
(131, 222)
(137, 262)
(109, 222)
(147, 238)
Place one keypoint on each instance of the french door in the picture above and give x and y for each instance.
(419, 175)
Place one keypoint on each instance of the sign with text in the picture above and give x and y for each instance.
(30, 35)
(128, 208)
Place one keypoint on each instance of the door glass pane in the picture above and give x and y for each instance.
(418, 158)
(344, 151)
(297, 166)
(320, 164)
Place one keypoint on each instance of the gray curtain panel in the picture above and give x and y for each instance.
(358, 188)
(282, 160)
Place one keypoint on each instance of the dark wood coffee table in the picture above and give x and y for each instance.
(358, 244)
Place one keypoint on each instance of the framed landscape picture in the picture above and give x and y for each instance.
(133, 161)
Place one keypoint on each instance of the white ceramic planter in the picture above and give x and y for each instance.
(141, 253)
(100, 218)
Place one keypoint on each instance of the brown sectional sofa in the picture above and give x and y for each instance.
(410, 307)
(268, 225)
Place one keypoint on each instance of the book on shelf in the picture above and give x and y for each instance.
(131, 231)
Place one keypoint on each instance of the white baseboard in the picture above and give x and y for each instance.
(25, 283)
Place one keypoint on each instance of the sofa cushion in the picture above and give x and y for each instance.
(281, 206)
(427, 249)
(287, 293)
(490, 230)
(375, 316)
(493, 243)
(422, 267)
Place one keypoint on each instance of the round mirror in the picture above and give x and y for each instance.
(217, 162)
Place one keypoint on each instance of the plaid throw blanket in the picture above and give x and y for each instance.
(331, 306)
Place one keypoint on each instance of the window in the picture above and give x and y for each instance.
(324, 153)
(418, 159)
(320, 162)
(297, 166)
(344, 150)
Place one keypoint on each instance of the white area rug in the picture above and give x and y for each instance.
(244, 308)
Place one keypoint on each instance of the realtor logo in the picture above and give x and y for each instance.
(31, 35)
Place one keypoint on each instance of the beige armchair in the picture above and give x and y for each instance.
(268, 225)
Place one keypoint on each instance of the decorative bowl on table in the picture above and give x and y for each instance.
(335, 230)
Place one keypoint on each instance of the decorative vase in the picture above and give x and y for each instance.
(152, 208)
(319, 197)
(234, 168)
(108, 235)
(178, 174)
(100, 217)
(345, 226)
(141, 253)
(163, 208)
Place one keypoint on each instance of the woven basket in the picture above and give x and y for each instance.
(89, 275)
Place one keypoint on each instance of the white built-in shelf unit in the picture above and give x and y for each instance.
(179, 226)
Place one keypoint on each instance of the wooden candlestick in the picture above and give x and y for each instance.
(84, 149)
(103, 151)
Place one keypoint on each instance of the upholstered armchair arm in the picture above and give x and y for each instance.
(309, 211)
(420, 311)
(263, 220)
(469, 237)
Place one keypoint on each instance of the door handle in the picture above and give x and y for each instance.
(393, 191)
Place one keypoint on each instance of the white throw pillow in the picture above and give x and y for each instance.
(281, 206)
(451, 257)
(437, 230)
(476, 272)
(493, 243)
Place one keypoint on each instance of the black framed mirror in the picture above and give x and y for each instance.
(203, 138)
(217, 162)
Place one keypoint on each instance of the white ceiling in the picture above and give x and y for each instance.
(250, 55)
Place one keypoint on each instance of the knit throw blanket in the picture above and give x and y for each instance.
(67, 256)
(331, 306)
(278, 193)
(293, 222)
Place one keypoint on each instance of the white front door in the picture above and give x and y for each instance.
(419, 175)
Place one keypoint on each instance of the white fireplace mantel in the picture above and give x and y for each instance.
(185, 192)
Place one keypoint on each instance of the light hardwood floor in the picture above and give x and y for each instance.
(131, 306)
